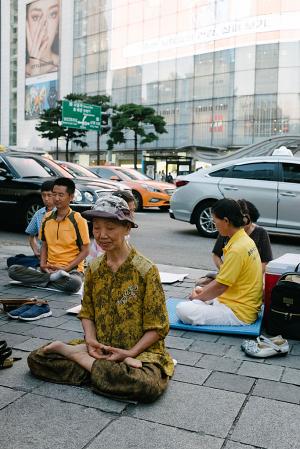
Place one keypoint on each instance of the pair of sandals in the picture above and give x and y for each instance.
(6, 361)
(264, 347)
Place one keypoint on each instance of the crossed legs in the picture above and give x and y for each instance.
(80, 355)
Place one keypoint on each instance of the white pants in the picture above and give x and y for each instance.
(197, 312)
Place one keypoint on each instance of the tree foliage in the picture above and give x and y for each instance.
(49, 126)
(141, 120)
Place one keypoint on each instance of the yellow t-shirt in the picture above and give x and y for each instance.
(125, 304)
(61, 237)
(241, 272)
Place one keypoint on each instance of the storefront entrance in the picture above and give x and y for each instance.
(158, 167)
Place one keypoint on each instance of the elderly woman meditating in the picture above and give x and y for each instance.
(123, 316)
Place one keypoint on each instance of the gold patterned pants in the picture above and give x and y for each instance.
(116, 380)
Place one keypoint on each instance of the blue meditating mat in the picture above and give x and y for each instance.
(175, 323)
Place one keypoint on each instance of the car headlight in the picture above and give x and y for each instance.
(77, 196)
(89, 197)
(150, 188)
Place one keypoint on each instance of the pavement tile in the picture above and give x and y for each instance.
(178, 406)
(72, 325)
(7, 396)
(277, 390)
(80, 395)
(235, 352)
(231, 340)
(61, 305)
(276, 428)
(132, 433)
(57, 312)
(18, 376)
(31, 344)
(13, 339)
(201, 336)
(230, 382)
(18, 327)
(190, 374)
(51, 321)
(178, 342)
(295, 350)
(50, 333)
(233, 445)
(47, 423)
(185, 357)
(214, 362)
(207, 347)
(291, 376)
(176, 333)
(259, 370)
(292, 361)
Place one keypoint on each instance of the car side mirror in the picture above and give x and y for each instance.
(115, 178)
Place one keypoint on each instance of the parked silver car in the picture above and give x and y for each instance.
(272, 183)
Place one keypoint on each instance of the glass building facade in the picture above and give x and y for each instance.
(223, 73)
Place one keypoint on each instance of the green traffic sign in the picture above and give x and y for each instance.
(76, 114)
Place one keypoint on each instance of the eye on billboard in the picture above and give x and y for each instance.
(42, 55)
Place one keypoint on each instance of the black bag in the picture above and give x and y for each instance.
(284, 316)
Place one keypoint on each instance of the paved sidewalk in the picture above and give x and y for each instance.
(218, 397)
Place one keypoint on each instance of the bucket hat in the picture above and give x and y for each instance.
(110, 206)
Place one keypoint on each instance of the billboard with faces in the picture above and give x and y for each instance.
(42, 52)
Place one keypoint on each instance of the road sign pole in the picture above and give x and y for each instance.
(98, 147)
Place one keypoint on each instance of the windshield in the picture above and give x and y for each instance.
(78, 170)
(135, 175)
(55, 169)
(27, 167)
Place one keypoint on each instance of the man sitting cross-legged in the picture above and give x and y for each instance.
(65, 244)
(33, 230)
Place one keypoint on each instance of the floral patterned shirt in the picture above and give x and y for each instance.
(127, 303)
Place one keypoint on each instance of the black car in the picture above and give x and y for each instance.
(21, 177)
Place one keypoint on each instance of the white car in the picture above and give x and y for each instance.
(271, 183)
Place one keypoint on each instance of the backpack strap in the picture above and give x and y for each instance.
(49, 217)
(72, 219)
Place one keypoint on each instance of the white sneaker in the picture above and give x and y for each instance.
(58, 275)
(264, 347)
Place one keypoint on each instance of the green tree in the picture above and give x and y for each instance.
(49, 126)
(141, 120)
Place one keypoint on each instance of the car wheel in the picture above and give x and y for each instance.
(138, 200)
(204, 221)
(30, 207)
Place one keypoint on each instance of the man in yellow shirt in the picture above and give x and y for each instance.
(235, 296)
(65, 245)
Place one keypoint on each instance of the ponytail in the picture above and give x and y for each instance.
(231, 209)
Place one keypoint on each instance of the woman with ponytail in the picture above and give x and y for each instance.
(258, 234)
(235, 296)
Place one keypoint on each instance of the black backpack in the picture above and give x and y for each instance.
(284, 318)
